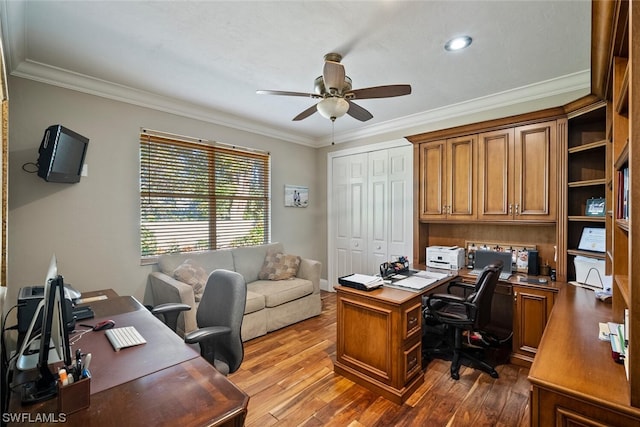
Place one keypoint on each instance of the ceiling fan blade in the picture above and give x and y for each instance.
(333, 75)
(387, 91)
(306, 113)
(357, 112)
(285, 93)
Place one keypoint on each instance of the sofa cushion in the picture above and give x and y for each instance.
(191, 273)
(209, 260)
(281, 291)
(255, 302)
(279, 266)
(248, 260)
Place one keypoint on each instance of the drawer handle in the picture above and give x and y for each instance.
(412, 322)
(412, 363)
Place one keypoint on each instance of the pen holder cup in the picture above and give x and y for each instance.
(545, 270)
(75, 396)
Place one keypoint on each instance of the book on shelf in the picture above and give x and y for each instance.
(623, 194)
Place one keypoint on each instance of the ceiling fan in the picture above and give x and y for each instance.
(334, 90)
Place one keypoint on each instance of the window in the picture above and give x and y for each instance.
(197, 195)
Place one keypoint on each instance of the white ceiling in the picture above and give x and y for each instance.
(207, 59)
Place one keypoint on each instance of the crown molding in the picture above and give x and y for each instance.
(580, 81)
(568, 84)
(69, 80)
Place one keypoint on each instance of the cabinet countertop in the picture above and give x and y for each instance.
(572, 360)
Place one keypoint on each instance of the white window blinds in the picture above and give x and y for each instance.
(196, 195)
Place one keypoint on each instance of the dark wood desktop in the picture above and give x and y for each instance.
(162, 382)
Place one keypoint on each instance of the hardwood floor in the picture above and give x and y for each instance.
(289, 377)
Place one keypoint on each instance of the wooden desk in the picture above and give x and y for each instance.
(163, 382)
(574, 379)
(379, 339)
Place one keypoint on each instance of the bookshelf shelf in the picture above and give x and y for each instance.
(623, 224)
(622, 103)
(578, 252)
(588, 146)
(588, 183)
(582, 218)
(622, 285)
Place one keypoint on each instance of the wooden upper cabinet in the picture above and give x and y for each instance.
(461, 169)
(432, 180)
(536, 171)
(495, 175)
(517, 173)
(447, 177)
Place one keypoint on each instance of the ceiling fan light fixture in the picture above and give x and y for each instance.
(332, 108)
(458, 43)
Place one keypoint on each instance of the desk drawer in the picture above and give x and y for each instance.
(412, 362)
(412, 321)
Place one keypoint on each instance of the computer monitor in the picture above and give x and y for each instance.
(54, 332)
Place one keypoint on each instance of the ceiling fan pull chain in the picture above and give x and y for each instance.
(333, 131)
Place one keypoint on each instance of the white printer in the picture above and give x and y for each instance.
(445, 257)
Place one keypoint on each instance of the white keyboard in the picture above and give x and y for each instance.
(124, 337)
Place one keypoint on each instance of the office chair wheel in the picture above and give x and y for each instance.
(455, 375)
(494, 374)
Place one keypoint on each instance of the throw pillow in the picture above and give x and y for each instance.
(279, 266)
(192, 274)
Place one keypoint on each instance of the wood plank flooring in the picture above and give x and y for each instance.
(289, 377)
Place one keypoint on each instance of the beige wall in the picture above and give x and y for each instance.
(92, 226)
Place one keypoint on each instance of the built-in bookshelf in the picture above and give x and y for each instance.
(587, 151)
(625, 136)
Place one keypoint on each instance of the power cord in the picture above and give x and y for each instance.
(6, 361)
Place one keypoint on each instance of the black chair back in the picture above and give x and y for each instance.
(483, 296)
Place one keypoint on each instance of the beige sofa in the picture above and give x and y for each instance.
(271, 304)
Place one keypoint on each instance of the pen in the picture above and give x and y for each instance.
(78, 371)
(87, 362)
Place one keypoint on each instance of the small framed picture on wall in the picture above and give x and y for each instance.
(296, 196)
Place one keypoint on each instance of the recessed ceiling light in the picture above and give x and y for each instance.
(458, 43)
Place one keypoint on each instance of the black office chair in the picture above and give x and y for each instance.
(457, 314)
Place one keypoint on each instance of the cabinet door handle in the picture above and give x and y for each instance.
(517, 209)
(510, 209)
(411, 322)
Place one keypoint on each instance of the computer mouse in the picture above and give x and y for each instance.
(105, 324)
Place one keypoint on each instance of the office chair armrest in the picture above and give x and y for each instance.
(170, 307)
(203, 334)
(442, 299)
(461, 285)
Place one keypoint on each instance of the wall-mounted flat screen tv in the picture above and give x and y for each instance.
(61, 155)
